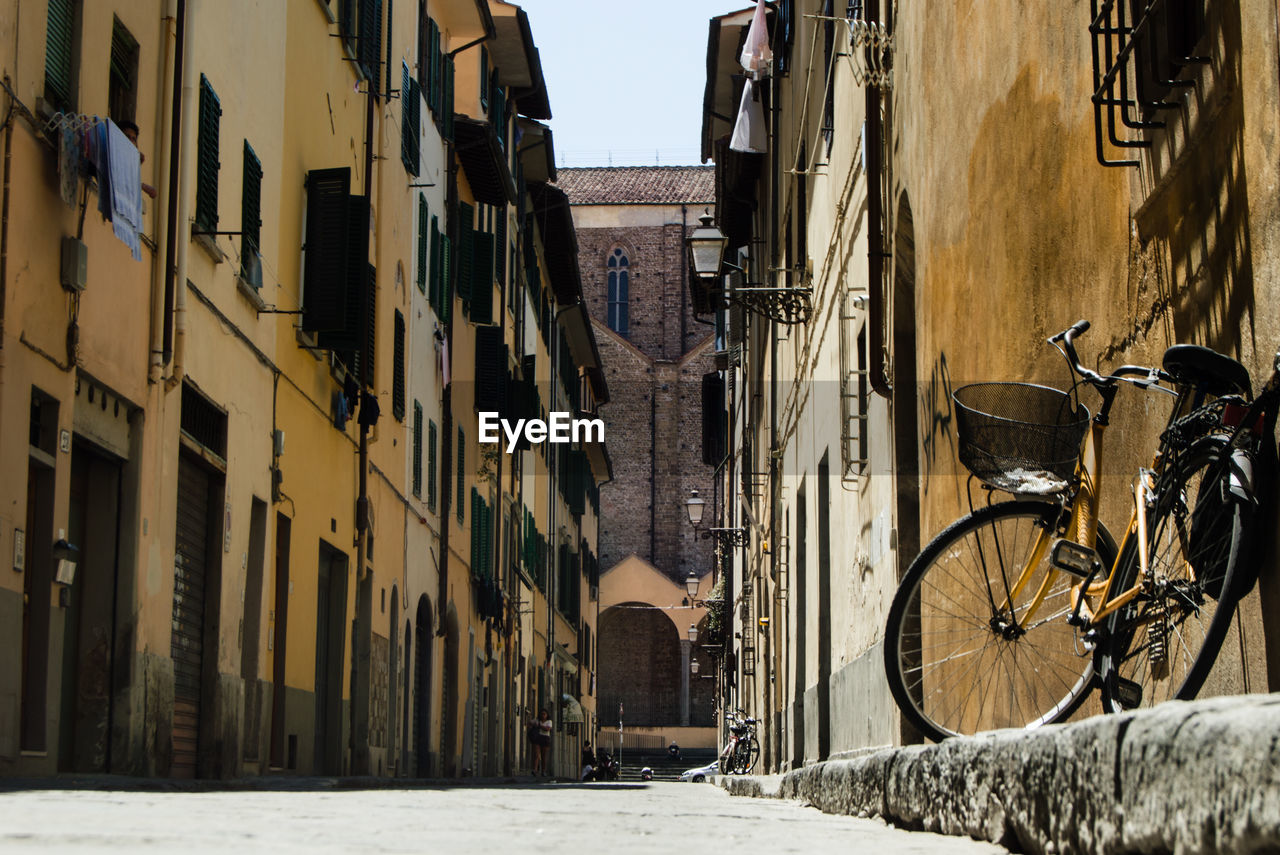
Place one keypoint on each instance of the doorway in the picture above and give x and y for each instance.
(331, 619)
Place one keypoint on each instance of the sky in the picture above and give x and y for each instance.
(625, 79)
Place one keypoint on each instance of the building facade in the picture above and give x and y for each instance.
(631, 223)
(926, 207)
(239, 520)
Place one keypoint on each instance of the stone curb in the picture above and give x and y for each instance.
(1185, 777)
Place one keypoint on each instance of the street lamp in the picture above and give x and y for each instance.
(706, 248)
(693, 633)
(694, 506)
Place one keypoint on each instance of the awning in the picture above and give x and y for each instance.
(571, 710)
(483, 161)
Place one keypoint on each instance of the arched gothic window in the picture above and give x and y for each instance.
(619, 270)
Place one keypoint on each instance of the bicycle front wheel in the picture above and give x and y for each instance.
(965, 651)
(748, 752)
(1163, 644)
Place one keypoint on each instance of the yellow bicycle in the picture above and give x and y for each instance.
(1015, 612)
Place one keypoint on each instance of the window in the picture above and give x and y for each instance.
(422, 249)
(417, 449)
(251, 218)
(410, 107)
(431, 465)
(207, 159)
(122, 80)
(462, 459)
(619, 270)
(59, 56)
(397, 379)
(484, 78)
(829, 45)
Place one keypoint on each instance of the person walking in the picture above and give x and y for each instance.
(540, 739)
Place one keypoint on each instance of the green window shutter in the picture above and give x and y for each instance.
(447, 98)
(325, 278)
(207, 159)
(501, 247)
(349, 334)
(462, 461)
(250, 212)
(475, 532)
(422, 245)
(370, 41)
(431, 465)
(58, 59)
(490, 371)
(446, 282)
(577, 481)
(397, 380)
(482, 279)
(488, 539)
(410, 127)
(437, 287)
(433, 90)
(498, 114)
(484, 78)
(466, 251)
(417, 449)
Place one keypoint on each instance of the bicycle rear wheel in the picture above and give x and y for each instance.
(959, 657)
(1163, 644)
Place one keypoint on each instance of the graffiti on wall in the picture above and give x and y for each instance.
(937, 414)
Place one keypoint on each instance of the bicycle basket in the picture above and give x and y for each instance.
(1019, 437)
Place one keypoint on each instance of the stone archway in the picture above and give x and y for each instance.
(639, 655)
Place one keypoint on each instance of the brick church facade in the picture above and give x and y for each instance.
(631, 223)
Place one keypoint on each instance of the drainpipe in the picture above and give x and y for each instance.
(876, 310)
(684, 287)
(181, 236)
(4, 227)
(162, 269)
(446, 415)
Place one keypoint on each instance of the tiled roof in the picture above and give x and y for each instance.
(637, 185)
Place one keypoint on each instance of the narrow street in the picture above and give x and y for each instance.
(504, 818)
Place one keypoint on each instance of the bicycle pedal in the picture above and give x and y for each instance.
(1127, 692)
(1075, 558)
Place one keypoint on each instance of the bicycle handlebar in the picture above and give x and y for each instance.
(1149, 376)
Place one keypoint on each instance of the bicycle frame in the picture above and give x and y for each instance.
(1083, 525)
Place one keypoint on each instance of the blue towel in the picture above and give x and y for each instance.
(125, 191)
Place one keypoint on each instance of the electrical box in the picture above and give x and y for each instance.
(75, 264)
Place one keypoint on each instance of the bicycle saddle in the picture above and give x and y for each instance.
(1207, 370)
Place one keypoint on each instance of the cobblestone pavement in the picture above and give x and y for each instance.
(498, 818)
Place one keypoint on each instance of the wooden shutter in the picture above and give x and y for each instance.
(713, 419)
(577, 481)
(397, 368)
(410, 126)
(325, 279)
(58, 59)
(422, 250)
(348, 334)
(431, 465)
(484, 78)
(447, 98)
(501, 247)
(371, 41)
(482, 279)
(250, 208)
(462, 460)
(466, 250)
(435, 267)
(433, 67)
(446, 283)
(417, 448)
(491, 371)
(207, 159)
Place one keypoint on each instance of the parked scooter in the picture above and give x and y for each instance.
(607, 768)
